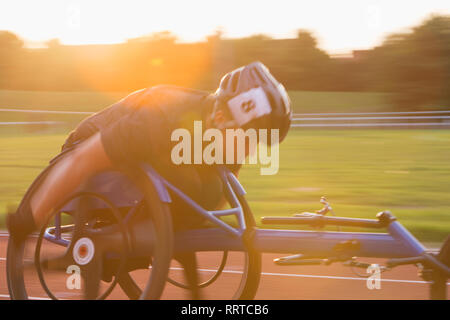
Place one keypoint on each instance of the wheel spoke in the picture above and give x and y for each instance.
(189, 262)
(92, 274)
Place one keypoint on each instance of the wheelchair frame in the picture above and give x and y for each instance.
(398, 244)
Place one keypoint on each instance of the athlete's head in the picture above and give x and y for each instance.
(250, 97)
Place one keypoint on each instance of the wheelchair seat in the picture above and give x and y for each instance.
(112, 184)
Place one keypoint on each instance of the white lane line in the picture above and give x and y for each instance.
(296, 275)
(271, 274)
(292, 274)
(312, 276)
(343, 278)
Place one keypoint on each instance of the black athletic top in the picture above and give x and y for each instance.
(138, 128)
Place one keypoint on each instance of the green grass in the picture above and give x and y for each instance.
(360, 171)
(316, 102)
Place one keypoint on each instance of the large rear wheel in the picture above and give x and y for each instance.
(85, 234)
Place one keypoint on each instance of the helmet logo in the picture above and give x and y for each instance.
(247, 106)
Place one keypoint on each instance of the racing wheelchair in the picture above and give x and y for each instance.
(120, 222)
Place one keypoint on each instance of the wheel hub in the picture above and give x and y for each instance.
(83, 251)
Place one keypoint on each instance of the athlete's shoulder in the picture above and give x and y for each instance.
(172, 92)
(163, 91)
(171, 96)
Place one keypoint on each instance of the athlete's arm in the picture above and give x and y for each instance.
(67, 175)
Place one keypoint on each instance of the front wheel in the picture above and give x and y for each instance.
(248, 275)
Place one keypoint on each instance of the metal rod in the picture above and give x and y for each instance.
(319, 221)
(400, 233)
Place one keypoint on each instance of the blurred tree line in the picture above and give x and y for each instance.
(415, 66)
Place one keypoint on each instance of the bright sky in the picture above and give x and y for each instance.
(340, 25)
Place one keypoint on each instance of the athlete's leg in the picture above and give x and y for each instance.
(61, 181)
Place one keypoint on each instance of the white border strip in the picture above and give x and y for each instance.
(295, 275)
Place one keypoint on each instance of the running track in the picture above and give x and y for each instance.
(293, 282)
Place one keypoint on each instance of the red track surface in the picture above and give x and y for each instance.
(290, 282)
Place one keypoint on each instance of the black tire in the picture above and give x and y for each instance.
(14, 274)
(249, 282)
(250, 278)
(161, 255)
(15, 251)
(438, 287)
(249, 287)
(163, 235)
(208, 282)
